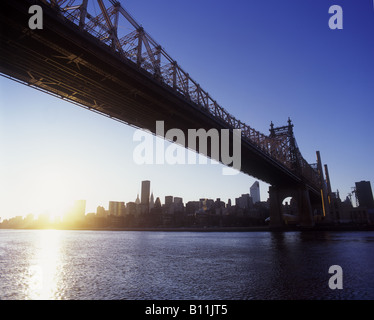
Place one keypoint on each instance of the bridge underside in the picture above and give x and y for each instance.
(73, 65)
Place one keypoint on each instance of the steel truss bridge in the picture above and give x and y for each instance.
(82, 56)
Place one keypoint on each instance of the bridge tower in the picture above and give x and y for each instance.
(300, 192)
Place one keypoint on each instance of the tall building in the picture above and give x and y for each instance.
(100, 211)
(206, 204)
(178, 200)
(178, 204)
(192, 207)
(364, 194)
(168, 200)
(116, 208)
(131, 208)
(255, 192)
(151, 202)
(243, 202)
(229, 203)
(146, 190)
(157, 203)
(112, 208)
(137, 201)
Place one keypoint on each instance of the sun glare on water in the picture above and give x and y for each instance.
(45, 268)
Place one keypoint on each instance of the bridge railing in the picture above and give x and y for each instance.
(139, 47)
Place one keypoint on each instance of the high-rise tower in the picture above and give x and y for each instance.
(146, 190)
(364, 194)
(255, 192)
(145, 195)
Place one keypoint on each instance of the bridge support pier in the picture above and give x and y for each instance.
(276, 219)
(300, 194)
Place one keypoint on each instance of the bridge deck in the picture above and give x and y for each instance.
(76, 66)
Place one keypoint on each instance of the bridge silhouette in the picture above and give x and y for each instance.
(81, 56)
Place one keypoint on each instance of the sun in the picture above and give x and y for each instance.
(52, 193)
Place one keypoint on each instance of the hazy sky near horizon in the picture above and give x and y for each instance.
(262, 61)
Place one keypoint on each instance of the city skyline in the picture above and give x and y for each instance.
(54, 152)
(145, 199)
(173, 212)
(361, 197)
(247, 211)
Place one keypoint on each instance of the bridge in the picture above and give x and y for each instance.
(80, 56)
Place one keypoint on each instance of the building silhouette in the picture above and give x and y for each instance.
(146, 189)
(145, 196)
(151, 202)
(244, 201)
(101, 212)
(255, 192)
(116, 208)
(157, 203)
(364, 194)
(148, 212)
(137, 201)
(168, 200)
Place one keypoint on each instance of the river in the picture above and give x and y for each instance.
(81, 265)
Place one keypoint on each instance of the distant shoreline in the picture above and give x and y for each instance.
(220, 229)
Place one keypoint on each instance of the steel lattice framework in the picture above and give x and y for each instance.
(103, 21)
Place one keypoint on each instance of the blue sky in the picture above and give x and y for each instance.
(261, 60)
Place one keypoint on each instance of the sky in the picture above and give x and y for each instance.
(262, 61)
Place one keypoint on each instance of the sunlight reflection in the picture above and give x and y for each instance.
(45, 266)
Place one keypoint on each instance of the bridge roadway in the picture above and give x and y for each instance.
(73, 65)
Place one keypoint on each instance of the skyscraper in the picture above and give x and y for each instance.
(137, 201)
(168, 200)
(151, 202)
(365, 194)
(158, 203)
(146, 189)
(144, 197)
(255, 192)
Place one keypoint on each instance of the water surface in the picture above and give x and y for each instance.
(61, 264)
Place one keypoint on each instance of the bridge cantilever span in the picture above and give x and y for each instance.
(81, 57)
